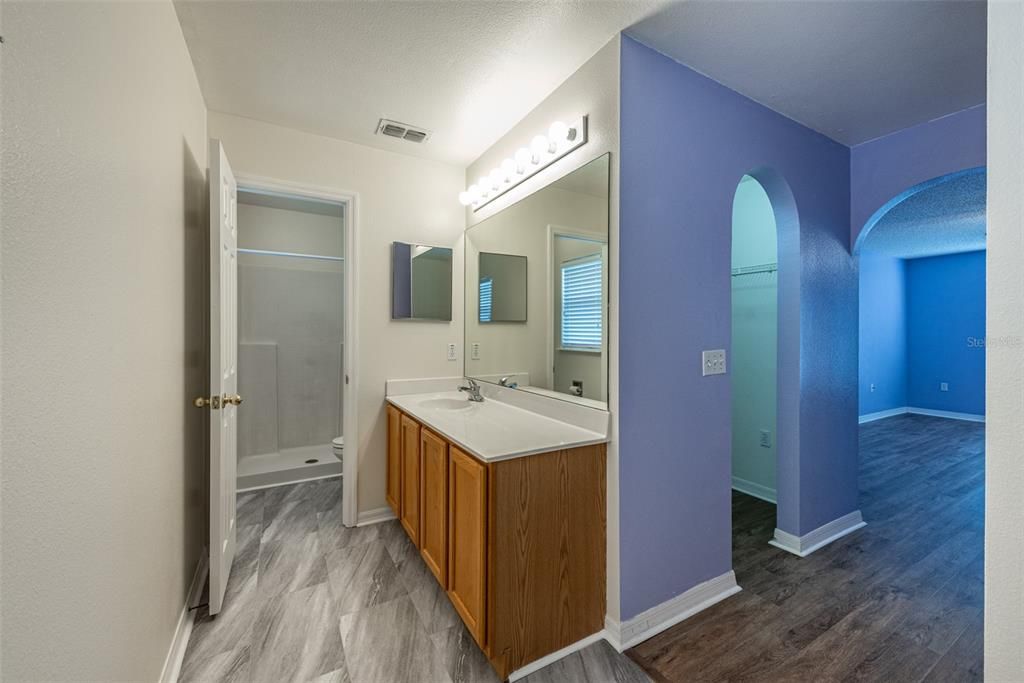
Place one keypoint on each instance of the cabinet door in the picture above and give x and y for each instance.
(434, 504)
(393, 492)
(467, 539)
(410, 516)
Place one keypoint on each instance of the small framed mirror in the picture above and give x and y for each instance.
(502, 288)
(421, 282)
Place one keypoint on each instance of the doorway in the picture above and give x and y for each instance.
(298, 312)
(290, 320)
(753, 369)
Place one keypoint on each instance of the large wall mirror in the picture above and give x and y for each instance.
(421, 282)
(537, 290)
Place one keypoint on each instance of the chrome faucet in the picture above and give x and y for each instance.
(473, 390)
(508, 382)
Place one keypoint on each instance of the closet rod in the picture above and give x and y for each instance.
(265, 252)
(751, 269)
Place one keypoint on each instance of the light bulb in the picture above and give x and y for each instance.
(558, 132)
(464, 199)
(496, 178)
(539, 147)
(473, 192)
(508, 169)
(484, 183)
(522, 159)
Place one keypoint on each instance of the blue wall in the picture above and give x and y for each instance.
(945, 329)
(883, 333)
(685, 143)
(922, 323)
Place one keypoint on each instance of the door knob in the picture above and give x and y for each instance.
(203, 402)
(235, 400)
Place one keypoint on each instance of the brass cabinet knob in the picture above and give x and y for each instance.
(235, 400)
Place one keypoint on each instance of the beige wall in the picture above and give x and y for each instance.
(400, 198)
(1004, 399)
(593, 90)
(104, 247)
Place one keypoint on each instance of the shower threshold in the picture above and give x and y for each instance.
(287, 466)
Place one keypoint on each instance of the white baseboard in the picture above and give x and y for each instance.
(375, 516)
(970, 417)
(754, 489)
(176, 654)
(653, 621)
(539, 664)
(803, 546)
(882, 414)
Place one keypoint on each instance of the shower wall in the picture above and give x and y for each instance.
(290, 329)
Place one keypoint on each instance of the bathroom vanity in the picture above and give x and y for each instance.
(507, 508)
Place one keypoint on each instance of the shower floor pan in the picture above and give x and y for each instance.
(287, 466)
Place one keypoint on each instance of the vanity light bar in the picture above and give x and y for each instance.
(543, 151)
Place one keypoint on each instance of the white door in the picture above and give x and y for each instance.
(224, 399)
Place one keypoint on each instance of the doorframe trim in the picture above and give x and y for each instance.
(350, 334)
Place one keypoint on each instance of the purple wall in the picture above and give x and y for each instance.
(685, 143)
(882, 170)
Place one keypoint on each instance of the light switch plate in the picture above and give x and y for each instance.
(476, 351)
(451, 352)
(713, 362)
(944, 386)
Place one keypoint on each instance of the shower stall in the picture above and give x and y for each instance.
(290, 348)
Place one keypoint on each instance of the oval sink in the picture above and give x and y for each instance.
(447, 404)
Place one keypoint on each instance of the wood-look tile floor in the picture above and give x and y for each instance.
(311, 600)
(899, 600)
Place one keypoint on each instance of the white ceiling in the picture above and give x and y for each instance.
(946, 218)
(853, 70)
(467, 71)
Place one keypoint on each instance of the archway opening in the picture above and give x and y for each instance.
(754, 358)
(922, 344)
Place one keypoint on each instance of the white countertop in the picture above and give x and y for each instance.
(492, 430)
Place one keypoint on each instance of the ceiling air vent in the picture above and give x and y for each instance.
(402, 131)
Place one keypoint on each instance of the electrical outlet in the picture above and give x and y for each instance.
(766, 438)
(713, 362)
(944, 386)
(475, 355)
(872, 388)
(451, 352)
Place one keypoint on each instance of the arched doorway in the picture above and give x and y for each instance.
(766, 368)
(754, 341)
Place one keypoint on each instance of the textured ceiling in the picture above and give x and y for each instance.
(853, 70)
(946, 218)
(466, 71)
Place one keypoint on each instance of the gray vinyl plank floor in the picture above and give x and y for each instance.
(310, 600)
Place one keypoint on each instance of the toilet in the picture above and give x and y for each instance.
(338, 446)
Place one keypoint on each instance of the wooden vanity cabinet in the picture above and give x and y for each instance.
(410, 515)
(518, 544)
(434, 504)
(393, 493)
(467, 541)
